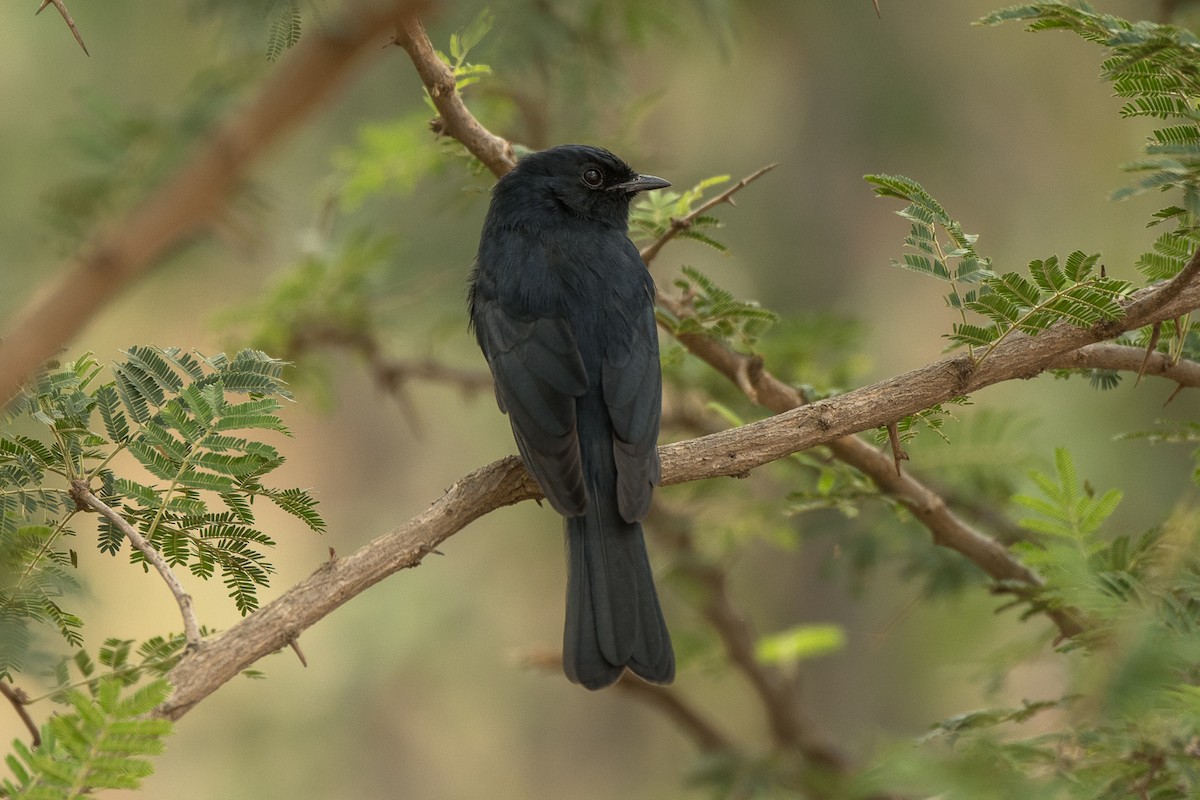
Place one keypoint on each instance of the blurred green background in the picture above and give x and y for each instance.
(416, 688)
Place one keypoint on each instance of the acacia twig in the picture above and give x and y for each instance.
(663, 699)
(681, 224)
(19, 700)
(84, 498)
(392, 375)
(779, 695)
(66, 15)
(456, 121)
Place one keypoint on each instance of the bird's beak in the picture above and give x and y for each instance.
(641, 183)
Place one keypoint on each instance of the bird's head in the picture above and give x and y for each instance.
(578, 179)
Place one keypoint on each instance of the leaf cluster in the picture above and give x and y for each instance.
(717, 313)
(105, 741)
(655, 213)
(1070, 292)
(200, 465)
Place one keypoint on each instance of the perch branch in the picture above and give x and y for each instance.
(726, 453)
(765, 389)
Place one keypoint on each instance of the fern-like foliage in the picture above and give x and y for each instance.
(192, 423)
(652, 215)
(1153, 67)
(717, 313)
(933, 418)
(103, 742)
(284, 30)
(1069, 551)
(1072, 292)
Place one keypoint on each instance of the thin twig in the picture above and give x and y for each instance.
(66, 15)
(778, 694)
(84, 498)
(668, 702)
(681, 224)
(391, 374)
(19, 700)
(456, 121)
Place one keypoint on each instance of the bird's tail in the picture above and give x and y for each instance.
(613, 617)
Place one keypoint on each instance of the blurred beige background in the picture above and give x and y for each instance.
(414, 689)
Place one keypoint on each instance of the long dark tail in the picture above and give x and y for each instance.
(613, 617)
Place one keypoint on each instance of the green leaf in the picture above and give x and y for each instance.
(799, 643)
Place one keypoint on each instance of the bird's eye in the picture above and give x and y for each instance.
(592, 178)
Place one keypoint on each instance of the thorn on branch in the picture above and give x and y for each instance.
(1155, 332)
(898, 452)
(294, 643)
(66, 15)
(1179, 387)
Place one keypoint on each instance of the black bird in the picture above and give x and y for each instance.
(563, 309)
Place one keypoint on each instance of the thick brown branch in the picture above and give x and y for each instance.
(1129, 359)
(84, 498)
(727, 453)
(187, 201)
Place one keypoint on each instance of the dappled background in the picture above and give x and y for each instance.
(418, 688)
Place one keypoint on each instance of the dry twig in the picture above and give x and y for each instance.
(84, 498)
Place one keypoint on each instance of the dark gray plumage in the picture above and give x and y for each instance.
(563, 309)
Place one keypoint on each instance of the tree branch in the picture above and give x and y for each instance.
(195, 192)
(725, 453)
(19, 700)
(456, 121)
(84, 498)
(680, 225)
(778, 694)
(663, 699)
(748, 373)
(1129, 359)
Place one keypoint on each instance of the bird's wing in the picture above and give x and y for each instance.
(632, 381)
(538, 374)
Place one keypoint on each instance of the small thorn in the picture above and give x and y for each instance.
(294, 643)
(898, 453)
(1179, 387)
